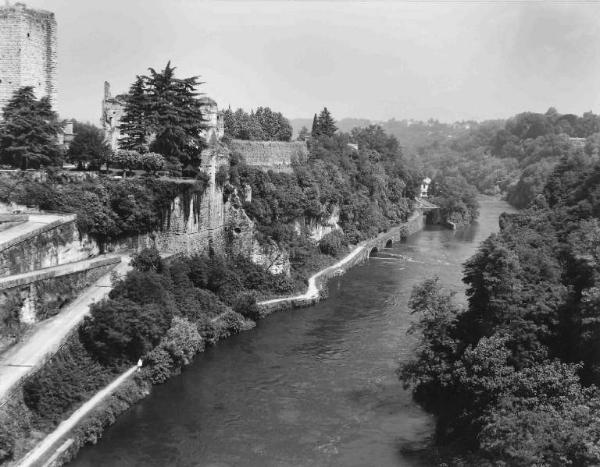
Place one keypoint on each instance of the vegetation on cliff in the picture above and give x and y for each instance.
(106, 209)
(512, 377)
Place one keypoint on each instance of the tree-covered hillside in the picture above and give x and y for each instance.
(512, 377)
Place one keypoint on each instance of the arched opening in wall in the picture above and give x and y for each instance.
(389, 243)
(373, 252)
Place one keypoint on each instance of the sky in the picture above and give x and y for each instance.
(378, 60)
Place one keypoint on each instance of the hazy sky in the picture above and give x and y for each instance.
(378, 60)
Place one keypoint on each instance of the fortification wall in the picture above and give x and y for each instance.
(28, 52)
(271, 155)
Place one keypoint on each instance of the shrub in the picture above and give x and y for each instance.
(119, 331)
(147, 260)
(232, 322)
(68, 378)
(158, 365)
(245, 305)
(332, 243)
(182, 341)
(7, 444)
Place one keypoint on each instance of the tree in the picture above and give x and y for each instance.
(119, 331)
(315, 131)
(135, 123)
(177, 117)
(89, 145)
(148, 259)
(326, 123)
(163, 114)
(28, 132)
(152, 162)
(128, 160)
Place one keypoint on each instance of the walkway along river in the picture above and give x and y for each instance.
(308, 387)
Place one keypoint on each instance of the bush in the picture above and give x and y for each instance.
(245, 305)
(231, 323)
(158, 365)
(147, 260)
(121, 331)
(69, 377)
(182, 341)
(7, 444)
(332, 243)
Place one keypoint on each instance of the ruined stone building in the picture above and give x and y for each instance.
(28, 55)
(114, 107)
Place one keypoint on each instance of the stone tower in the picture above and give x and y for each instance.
(27, 52)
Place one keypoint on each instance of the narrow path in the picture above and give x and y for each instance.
(65, 426)
(24, 357)
(313, 291)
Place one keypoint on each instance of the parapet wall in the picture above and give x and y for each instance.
(278, 156)
(51, 245)
(43, 293)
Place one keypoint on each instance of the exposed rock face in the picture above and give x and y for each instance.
(315, 229)
(278, 156)
(271, 257)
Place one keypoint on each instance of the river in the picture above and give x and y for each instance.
(308, 387)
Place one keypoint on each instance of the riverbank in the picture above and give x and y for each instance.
(98, 417)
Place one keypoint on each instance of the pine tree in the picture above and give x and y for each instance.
(28, 132)
(316, 131)
(134, 125)
(326, 123)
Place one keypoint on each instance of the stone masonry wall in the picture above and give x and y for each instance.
(271, 155)
(53, 246)
(28, 52)
(42, 297)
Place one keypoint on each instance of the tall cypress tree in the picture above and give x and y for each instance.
(28, 132)
(135, 123)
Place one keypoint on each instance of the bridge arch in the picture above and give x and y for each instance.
(389, 243)
(373, 252)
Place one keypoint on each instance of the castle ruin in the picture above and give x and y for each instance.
(28, 52)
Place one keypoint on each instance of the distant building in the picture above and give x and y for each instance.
(425, 187)
(65, 135)
(28, 52)
(113, 109)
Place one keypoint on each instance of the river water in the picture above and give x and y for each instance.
(308, 387)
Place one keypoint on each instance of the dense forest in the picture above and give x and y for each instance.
(512, 376)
